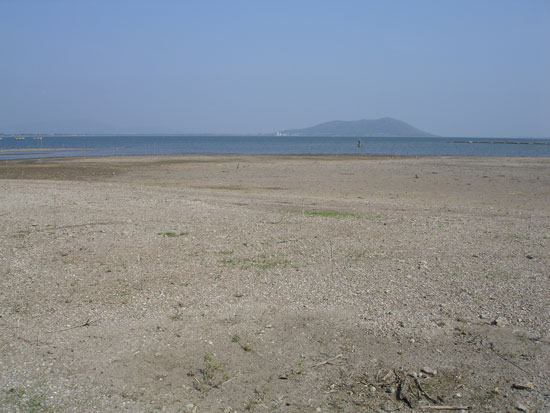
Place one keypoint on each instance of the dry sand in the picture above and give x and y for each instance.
(270, 283)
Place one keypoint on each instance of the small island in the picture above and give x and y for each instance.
(383, 127)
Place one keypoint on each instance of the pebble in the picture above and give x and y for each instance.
(190, 407)
(429, 370)
(500, 322)
(523, 385)
(521, 407)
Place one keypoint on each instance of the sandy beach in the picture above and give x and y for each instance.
(275, 283)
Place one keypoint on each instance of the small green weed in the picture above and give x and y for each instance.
(235, 338)
(209, 369)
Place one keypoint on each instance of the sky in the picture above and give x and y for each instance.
(451, 68)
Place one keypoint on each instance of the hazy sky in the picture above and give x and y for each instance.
(453, 68)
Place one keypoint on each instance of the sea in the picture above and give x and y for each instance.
(34, 146)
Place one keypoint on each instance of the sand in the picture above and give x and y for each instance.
(274, 283)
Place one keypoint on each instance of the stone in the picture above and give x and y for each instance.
(500, 322)
(523, 385)
(429, 370)
(521, 407)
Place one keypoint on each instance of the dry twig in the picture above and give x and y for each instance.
(86, 324)
(327, 361)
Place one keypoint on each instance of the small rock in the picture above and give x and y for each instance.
(429, 370)
(190, 407)
(521, 407)
(529, 257)
(523, 385)
(458, 396)
(372, 389)
(500, 322)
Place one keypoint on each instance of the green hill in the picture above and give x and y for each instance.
(383, 127)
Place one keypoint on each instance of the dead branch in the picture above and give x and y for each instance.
(327, 361)
(424, 391)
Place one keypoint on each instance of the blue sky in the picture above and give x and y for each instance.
(453, 68)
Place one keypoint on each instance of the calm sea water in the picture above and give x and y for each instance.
(54, 146)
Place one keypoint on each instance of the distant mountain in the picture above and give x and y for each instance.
(383, 127)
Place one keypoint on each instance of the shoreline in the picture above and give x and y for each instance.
(252, 155)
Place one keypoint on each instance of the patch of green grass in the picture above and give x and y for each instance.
(356, 255)
(27, 402)
(499, 275)
(230, 261)
(335, 214)
(225, 252)
(236, 338)
(171, 234)
(332, 214)
(262, 261)
(246, 347)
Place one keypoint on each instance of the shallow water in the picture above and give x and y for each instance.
(60, 146)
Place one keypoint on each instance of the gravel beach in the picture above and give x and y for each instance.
(275, 283)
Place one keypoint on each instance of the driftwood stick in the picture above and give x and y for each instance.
(424, 391)
(86, 324)
(403, 391)
(327, 361)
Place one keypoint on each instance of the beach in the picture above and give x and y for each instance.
(237, 283)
